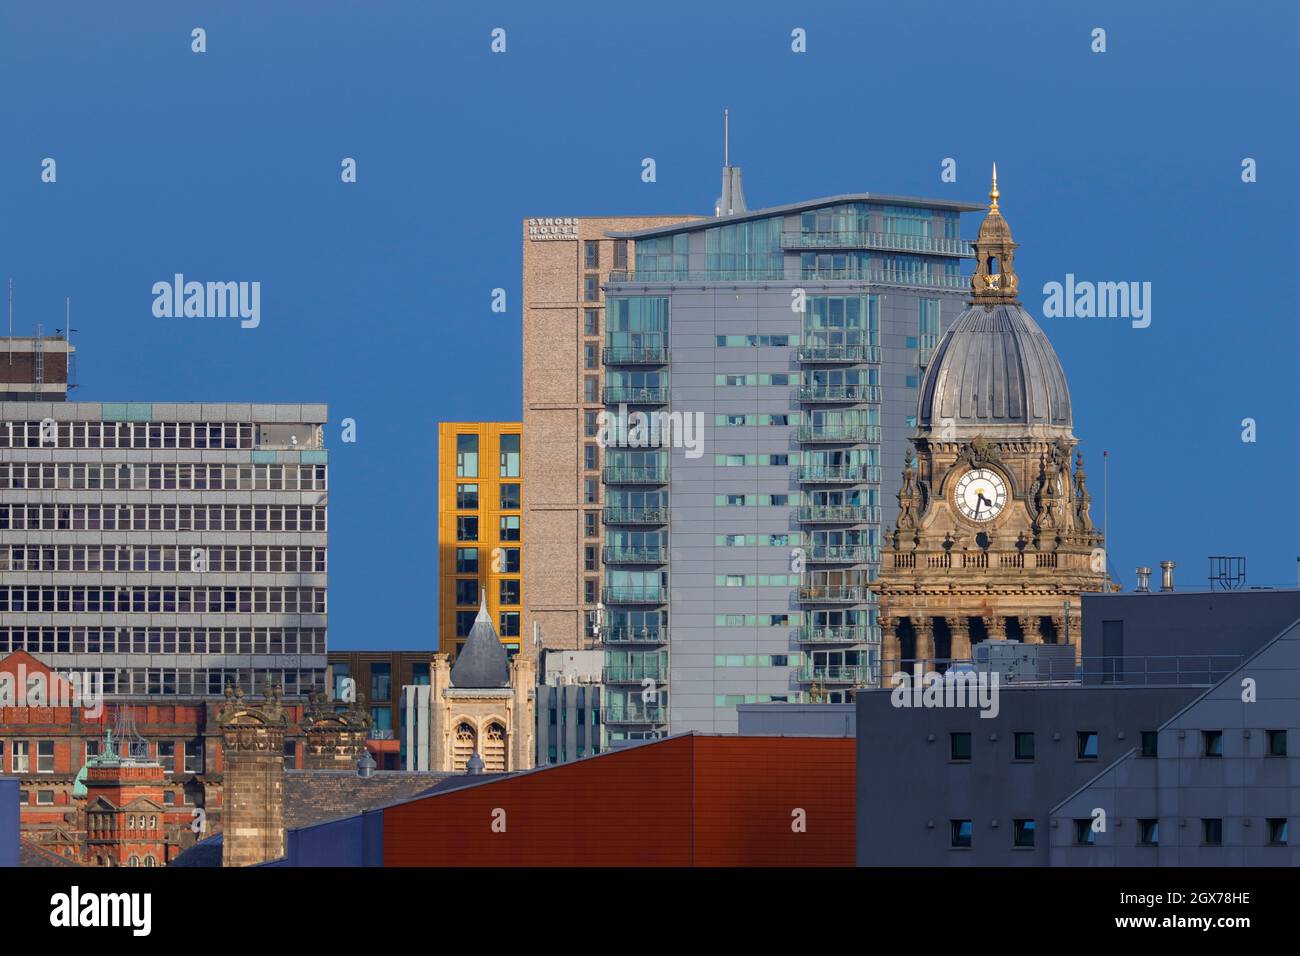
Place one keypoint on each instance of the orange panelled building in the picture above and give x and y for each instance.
(693, 800)
(480, 544)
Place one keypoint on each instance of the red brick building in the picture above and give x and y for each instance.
(47, 745)
(692, 800)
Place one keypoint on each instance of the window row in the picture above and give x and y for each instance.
(33, 517)
(162, 600)
(129, 557)
(1086, 744)
(200, 681)
(38, 434)
(1276, 831)
(184, 476)
(468, 594)
(467, 498)
(163, 640)
(467, 528)
(467, 452)
(504, 560)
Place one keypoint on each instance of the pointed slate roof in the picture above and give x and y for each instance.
(482, 662)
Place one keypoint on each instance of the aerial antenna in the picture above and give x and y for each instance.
(726, 137)
(72, 360)
(11, 321)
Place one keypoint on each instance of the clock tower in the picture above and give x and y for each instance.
(994, 538)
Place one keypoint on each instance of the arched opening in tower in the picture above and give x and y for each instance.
(979, 631)
(1015, 632)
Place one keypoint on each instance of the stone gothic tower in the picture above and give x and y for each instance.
(993, 538)
(252, 738)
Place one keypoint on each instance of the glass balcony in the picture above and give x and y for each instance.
(851, 354)
(838, 514)
(651, 355)
(842, 634)
(842, 553)
(636, 595)
(846, 394)
(636, 474)
(834, 594)
(648, 516)
(635, 635)
(861, 674)
(628, 395)
(831, 474)
(855, 239)
(618, 711)
(635, 673)
(839, 433)
(644, 555)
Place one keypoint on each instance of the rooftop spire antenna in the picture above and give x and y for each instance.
(726, 137)
(11, 321)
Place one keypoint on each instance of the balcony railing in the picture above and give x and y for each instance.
(842, 553)
(652, 516)
(854, 354)
(834, 594)
(642, 555)
(856, 239)
(656, 671)
(635, 595)
(656, 355)
(839, 433)
(635, 635)
(838, 514)
(686, 275)
(839, 635)
(865, 675)
(839, 393)
(636, 474)
(634, 712)
(1180, 670)
(895, 277)
(376, 733)
(826, 474)
(628, 395)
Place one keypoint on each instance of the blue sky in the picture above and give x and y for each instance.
(1121, 166)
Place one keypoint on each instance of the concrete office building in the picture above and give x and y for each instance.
(569, 692)
(1153, 730)
(565, 260)
(737, 571)
(165, 549)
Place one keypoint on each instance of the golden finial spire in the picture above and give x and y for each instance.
(993, 193)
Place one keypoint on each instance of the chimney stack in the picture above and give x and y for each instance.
(1166, 575)
(1144, 580)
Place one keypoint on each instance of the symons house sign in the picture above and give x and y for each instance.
(552, 229)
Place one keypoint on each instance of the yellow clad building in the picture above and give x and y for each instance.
(480, 499)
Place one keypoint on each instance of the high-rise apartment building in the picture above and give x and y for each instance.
(163, 548)
(480, 511)
(565, 264)
(796, 336)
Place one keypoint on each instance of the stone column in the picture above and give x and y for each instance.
(1029, 626)
(1058, 624)
(891, 649)
(959, 628)
(997, 627)
(924, 628)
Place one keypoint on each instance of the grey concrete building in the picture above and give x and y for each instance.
(165, 549)
(736, 570)
(1156, 735)
(569, 691)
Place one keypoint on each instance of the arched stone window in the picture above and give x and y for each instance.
(148, 861)
(153, 823)
(463, 745)
(494, 748)
(133, 861)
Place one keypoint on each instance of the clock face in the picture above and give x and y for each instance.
(981, 494)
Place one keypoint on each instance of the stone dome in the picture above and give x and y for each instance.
(994, 367)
